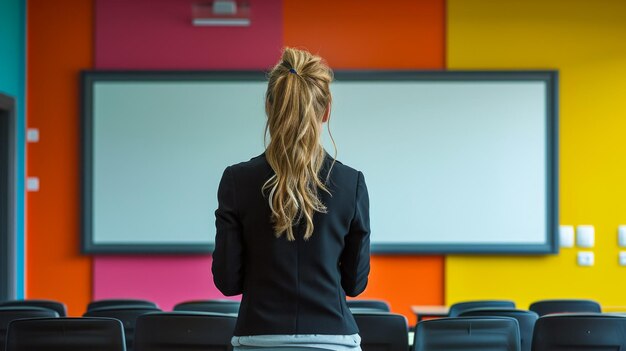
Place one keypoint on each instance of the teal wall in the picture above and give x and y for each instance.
(12, 82)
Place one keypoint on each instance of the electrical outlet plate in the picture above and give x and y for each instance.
(622, 258)
(621, 235)
(585, 258)
(585, 236)
(32, 135)
(566, 236)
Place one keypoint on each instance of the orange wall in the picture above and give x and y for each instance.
(369, 34)
(59, 45)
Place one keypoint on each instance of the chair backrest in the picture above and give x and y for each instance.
(525, 319)
(57, 306)
(66, 334)
(365, 310)
(468, 333)
(379, 305)
(382, 331)
(11, 313)
(545, 307)
(189, 331)
(215, 306)
(120, 302)
(591, 332)
(126, 314)
(458, 308)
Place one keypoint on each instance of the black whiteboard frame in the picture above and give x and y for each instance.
(549, 77)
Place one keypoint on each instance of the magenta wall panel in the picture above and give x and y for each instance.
(165, 280)
(157, 34)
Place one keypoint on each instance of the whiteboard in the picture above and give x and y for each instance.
(454, 161)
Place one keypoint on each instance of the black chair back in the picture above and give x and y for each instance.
(189, 331)
(9, 314)
(365, 310)
(65, 334)
(592, 332)
(57, 306)
(214, 306)
(468, 333)
(545, 307)
(126, 314)
(525, 319)
(379, 305)
(382, 331)
(458, 308)
(120, 302)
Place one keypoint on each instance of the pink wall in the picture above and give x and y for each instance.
(157, 34)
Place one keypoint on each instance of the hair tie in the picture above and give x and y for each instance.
(291, 70)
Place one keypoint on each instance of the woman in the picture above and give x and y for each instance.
(293, 223)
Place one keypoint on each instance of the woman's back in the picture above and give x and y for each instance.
(293, 224)
(292, 287)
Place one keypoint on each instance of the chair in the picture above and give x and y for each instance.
(545, 307)
(379, 305)
(525, 319)
(126, 314)
(382, 331)
(120, 302)
(189, 331)
(11, 313)
(468, 333)
(65, 334)
(457, 308)
(588, 332)
(215, 306)
(57, 306)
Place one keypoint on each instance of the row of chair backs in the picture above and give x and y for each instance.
(542, 308)
(156, 331)
(555, 332)
(217, 306)
(191, 331)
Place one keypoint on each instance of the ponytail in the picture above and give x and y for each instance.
(297, 98)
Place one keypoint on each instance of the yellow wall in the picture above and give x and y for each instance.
(586, 41)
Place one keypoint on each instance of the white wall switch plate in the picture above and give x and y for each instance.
(585, 258)
(621, 235)
(585, 236)
(566, 236)
(622, 258)
(32, 135)
(32, 184)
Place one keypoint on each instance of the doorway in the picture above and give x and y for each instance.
(7, 198)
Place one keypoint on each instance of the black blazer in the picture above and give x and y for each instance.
(291, 287)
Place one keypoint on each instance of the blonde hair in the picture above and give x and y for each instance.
(297, 98)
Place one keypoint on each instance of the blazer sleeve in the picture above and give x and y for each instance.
(227, 265)
(355, 259)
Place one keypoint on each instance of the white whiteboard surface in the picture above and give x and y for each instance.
(461, 164)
